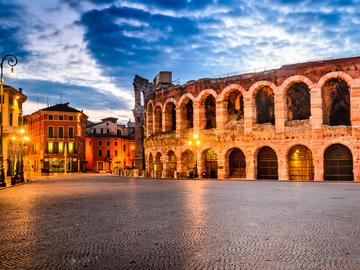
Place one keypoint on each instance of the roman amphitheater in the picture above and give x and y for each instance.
(299, 122)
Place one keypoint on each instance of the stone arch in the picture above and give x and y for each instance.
(188, 162)
(258, 85)
(209, 163)
(158, 167)
(232, 99)
(298, 101)
(267, 164)
(297, 79)
(335, 93)
(157, 119)
(186, 115)
(236, 163)
(335, 75)
(338, 163)
(169, 112)
(300, 163)
(150, 118)
(171, 161)
(206, 102)
(264, 104)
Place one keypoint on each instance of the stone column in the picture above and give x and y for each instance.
(197, 118)
(248, 113)
(221, 115)
(316, 108)
(221, 167)
(318, 166)
(355, 103)
(199, 162)
(179, 123)
(250, 167)
(283, 170)
(280, 109)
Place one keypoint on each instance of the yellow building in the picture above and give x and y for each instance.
(13, 146)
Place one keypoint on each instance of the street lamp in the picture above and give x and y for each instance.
(11, 60)
(195, 142)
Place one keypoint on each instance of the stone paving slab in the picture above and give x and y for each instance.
(108, 222)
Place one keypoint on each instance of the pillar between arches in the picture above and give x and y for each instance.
(355, 103)
(318, 168)
(221, 168)
(283, 171)
(279, 110)
(250, 169)
(316, 108)
(248, 114)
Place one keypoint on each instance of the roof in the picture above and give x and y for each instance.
(16, 92)
(111, 119)
(62, 107)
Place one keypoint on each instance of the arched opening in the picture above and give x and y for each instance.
(209, 159)
(237, 164)
(170, 117)
(267, 164)
(150, 119)
(336, 103)
(265, 106)
(338, 163)
(298, 102)
(300, 163)
(187, 163)
(142, 99)
(235, 106)
(158, 119)
(210, 112)
(170, 164)
(187, 114)
(150, 166)
(158, 167)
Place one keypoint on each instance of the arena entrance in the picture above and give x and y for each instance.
(338, 163)
(267, 164)
(237, 164)
(210, 164)
(300, 162)
(170, 164)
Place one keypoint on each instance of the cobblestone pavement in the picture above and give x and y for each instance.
(108, 222)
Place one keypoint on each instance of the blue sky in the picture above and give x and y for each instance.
(87, 52)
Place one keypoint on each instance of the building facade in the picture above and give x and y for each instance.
(12, 121)
(109, 145)
(299, 122)
(57, 139)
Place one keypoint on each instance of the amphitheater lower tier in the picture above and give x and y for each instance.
(299, 153)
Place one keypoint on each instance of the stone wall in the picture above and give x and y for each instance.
(246, 133)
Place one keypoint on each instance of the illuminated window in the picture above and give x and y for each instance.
(71, 147)
(61, 147)
(50, 147)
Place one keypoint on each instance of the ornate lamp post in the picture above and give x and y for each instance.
(11, 60)
(195, 142)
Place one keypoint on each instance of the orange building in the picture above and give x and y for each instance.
(57, 138)
(105, 152)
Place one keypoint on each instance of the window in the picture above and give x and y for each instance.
(10, 119)
(70, 147)
(49, 147)
(108, 153)
(116, 153)
(115, 143)
(108, 143)
(56, 147)
(94, 130)
(11, 100)
(50, 117)
(71, 132)
(99, 143)
(2, 99)
(100, 153)
(61, 132)
(124, 147)
(101, 131)
(61, 147)
(50, 132)
(20, 121)
(61, 117)
(108, 131)
(71, 118)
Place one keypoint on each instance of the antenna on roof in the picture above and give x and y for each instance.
(47, 101)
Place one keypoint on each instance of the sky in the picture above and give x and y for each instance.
(87, 52)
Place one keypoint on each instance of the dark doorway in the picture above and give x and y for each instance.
(338, 163)
(211, 167)
(210, 112)
(187, 114)
(267, 164)
(265, 106)
(298, 102)
(237, 164)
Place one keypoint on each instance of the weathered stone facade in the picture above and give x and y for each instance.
(298, 122)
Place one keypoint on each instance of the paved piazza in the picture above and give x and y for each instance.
(108, 222)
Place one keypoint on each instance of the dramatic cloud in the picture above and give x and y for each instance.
(89, 51)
